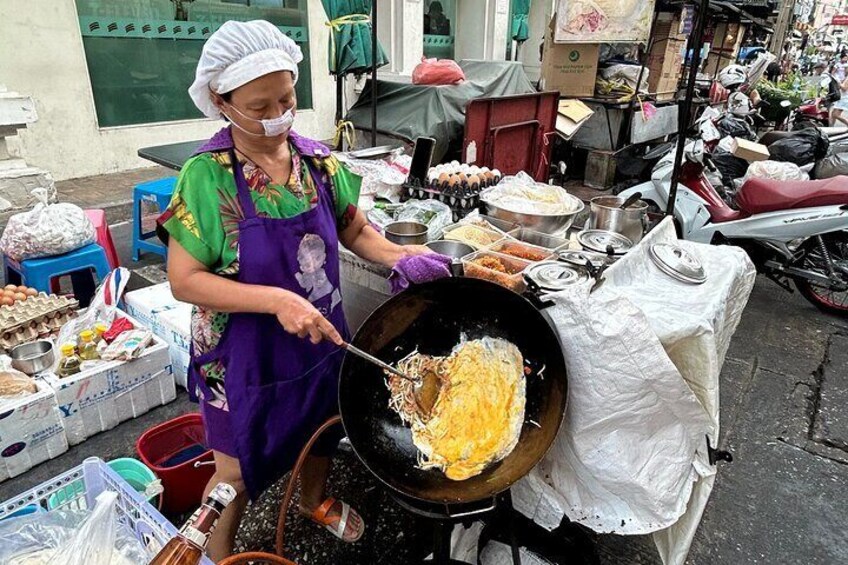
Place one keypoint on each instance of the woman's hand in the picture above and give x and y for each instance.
(412, 250)
(299, 317)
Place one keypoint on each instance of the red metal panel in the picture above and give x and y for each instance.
(512, 133)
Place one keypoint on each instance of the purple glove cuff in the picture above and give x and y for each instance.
(418, 269)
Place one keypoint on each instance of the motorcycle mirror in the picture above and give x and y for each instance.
(785, 103)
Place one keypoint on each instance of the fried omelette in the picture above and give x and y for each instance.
(474, 415)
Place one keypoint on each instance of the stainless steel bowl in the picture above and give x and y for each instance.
(542, 223)
(406, 233)
(454, 249)
(32, 358)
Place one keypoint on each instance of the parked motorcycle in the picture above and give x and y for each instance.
(792, 230)
(811, 113)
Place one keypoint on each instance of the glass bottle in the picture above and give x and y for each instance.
(70, 362)
(189, 546)
(87, 347)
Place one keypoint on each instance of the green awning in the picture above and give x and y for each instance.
(350, 40)
(520, 16)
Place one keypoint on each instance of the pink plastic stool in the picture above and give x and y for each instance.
(103, 237)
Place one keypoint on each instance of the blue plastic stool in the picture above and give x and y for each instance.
(158, 192)
(38, 273)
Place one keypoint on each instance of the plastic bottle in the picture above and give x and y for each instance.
(99, 330)
(87, 347)
(70, 362)
(189, 546)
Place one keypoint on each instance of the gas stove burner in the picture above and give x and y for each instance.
(678, 263)
(603, 241)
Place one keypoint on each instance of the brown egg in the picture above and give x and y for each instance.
(7, 301)
(20, 296)
(474, 181)
(21, 288)
(453, 181)
(8, 293)
(31, 292)
(443, 178)
(10, 287)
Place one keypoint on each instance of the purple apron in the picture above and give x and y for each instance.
(280, 388)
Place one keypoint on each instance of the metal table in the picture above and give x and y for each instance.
(172, 155)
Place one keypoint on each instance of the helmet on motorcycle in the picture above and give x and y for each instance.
(739, 104)
(732, 76)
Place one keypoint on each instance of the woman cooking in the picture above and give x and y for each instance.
(254, 226)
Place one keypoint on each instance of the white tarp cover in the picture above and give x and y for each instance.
(644, 353)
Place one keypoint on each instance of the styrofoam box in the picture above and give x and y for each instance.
(99, 399)
(152, 306)
(31, 432)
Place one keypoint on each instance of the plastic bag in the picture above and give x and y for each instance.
(730, 125)
(434, 214)
(626, 75)
(730, 166)
(775, 170)
(102, 309)
(437, 71)
(803, 147)
(71, 537)
(522, 194)
(47, 229)
(831, 166)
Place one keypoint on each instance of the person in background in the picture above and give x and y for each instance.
(773, 71)
(254, 228)
(839, 68)
(435, 22)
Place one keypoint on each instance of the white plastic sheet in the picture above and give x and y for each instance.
(644, 353)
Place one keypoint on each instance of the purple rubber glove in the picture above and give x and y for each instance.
(419, 269)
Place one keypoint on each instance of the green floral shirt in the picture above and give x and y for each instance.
(204, 213)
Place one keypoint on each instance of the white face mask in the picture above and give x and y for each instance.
(272, 127)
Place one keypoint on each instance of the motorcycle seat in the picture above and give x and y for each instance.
(770, 137)
(757, 196)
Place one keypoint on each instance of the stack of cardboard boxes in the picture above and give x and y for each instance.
(667, 55)
(570, 68)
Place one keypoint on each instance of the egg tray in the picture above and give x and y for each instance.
(38, 317)
(461, 201)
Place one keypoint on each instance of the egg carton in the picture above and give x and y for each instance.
(460, 201)
(38, 317)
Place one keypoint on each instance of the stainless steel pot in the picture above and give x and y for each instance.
(606, 214)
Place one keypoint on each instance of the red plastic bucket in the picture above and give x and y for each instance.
(171, 450)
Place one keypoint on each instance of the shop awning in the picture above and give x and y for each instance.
(350, 39)
(520, 16)
(744, 16)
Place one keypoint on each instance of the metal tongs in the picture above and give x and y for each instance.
(383, 365)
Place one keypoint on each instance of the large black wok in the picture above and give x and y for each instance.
(431, 317)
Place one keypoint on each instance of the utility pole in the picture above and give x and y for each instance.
(781, 28)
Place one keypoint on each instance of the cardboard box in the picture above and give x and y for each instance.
(665, 67)
(31, 432)
(149, 306)
(100, 398)
(749, 150)
(569, 68)
(668, 25)
(571, 115)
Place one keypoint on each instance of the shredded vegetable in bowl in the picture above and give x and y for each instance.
(523, 195)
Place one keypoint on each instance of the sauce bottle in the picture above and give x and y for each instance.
(189, 546)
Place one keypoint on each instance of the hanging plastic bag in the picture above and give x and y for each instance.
(437, 71)
(47, 229)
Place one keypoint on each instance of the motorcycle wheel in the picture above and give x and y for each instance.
(825, 298)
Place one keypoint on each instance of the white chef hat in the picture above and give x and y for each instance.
(237, 53)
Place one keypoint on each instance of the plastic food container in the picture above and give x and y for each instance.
(522, 250)
(475, 236)
(540, 239)
(511, 277)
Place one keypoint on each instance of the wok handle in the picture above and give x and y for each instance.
(489, 508)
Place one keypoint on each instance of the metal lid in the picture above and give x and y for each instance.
(600, 240)
(678, 263)
(579, 258)
(555, 275)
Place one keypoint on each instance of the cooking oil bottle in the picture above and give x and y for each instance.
(87, 347)
(70, 362)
